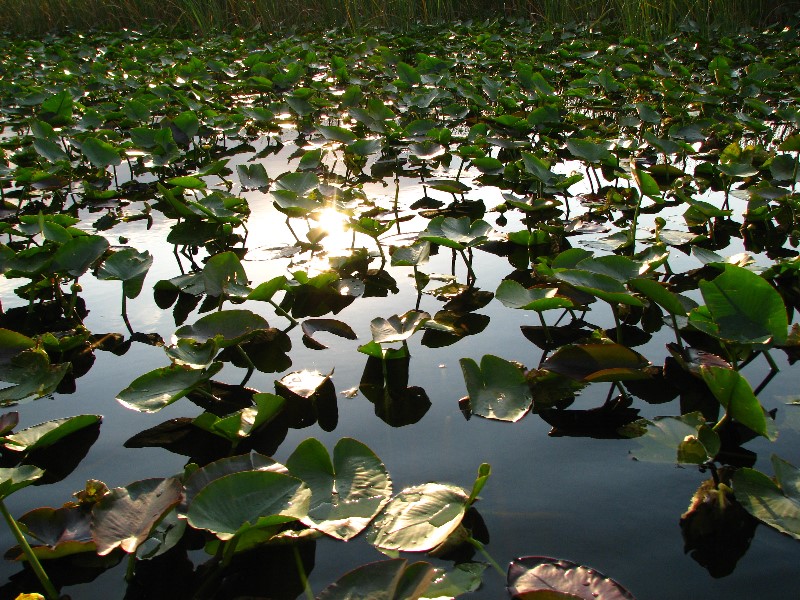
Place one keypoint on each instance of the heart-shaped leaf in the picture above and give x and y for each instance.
(161, 387)
(397, 328)
(776, 503)
(533, 577)
(234, 503)
(497, 389)
(124, 517)
(419, 518)
(345, 494)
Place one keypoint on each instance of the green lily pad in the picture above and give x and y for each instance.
(16, 478)
(419, 518)
(225, 327)
(101, 154)
(124, 517)
(540, 299)
(397, 328)
(497, 389)
(235, 503)
(128, 266)
(161, 387)
(225, 466)
(600, 285)
(686, 439)
(47, 433)
(773, 502)
(347, 493)
(458, 233)
(597, 362)
(78, 254)
(385, 580)
(736, 396)
(745, 308)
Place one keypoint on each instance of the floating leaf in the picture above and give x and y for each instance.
(161, 387)
(456, 233)
(532, 577)
(597, 362)
(225, 327)
(386, 580)
(514, 295)
(128, 266)
(60, 531)
(776, 503)
(685, 439)
(78, 254)
(311, 326)
(48, 433)
(124, 517)
(419, 518)
(234, 503)
(397, 328)
(497, 389)
(13, 479)
(745, 307)
(345, 494)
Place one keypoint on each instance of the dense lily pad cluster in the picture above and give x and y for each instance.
(584, 143)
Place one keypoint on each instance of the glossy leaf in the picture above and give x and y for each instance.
(234, 503)
(774, 502)
(497, 389)
(745, 308)
(47, 433)
(597, 362)
(419, 518)
(397, 328)
(386, 580)
(345, 494)
(532, 577)
(736, 396)
(124, 517)
(225, 327)
(161, 387)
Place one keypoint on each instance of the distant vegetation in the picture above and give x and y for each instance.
(633, 16)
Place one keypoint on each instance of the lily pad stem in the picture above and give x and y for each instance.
(770, 360)
(487, 556)
(283, 313)
(130, 568)
(50, 591)
(301, 573)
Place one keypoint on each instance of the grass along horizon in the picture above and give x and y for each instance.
(643, 17)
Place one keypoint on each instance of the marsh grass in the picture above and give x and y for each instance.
(643, 17)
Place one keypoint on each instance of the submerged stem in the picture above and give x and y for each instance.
(486, 555)
(50, 591)
(301, 573)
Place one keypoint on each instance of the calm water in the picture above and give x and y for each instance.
(580, 499)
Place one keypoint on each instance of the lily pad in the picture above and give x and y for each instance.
(397, 328)
(225, 327)
(774, 502)
(598, 362)
(386, 580)
(161, 387)
(533, 577)
(419, 518)
(497, 389)
(234, 503)
(48, 433)
(345, 494)
(124, 517)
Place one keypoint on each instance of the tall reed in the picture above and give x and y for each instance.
(631, 16)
